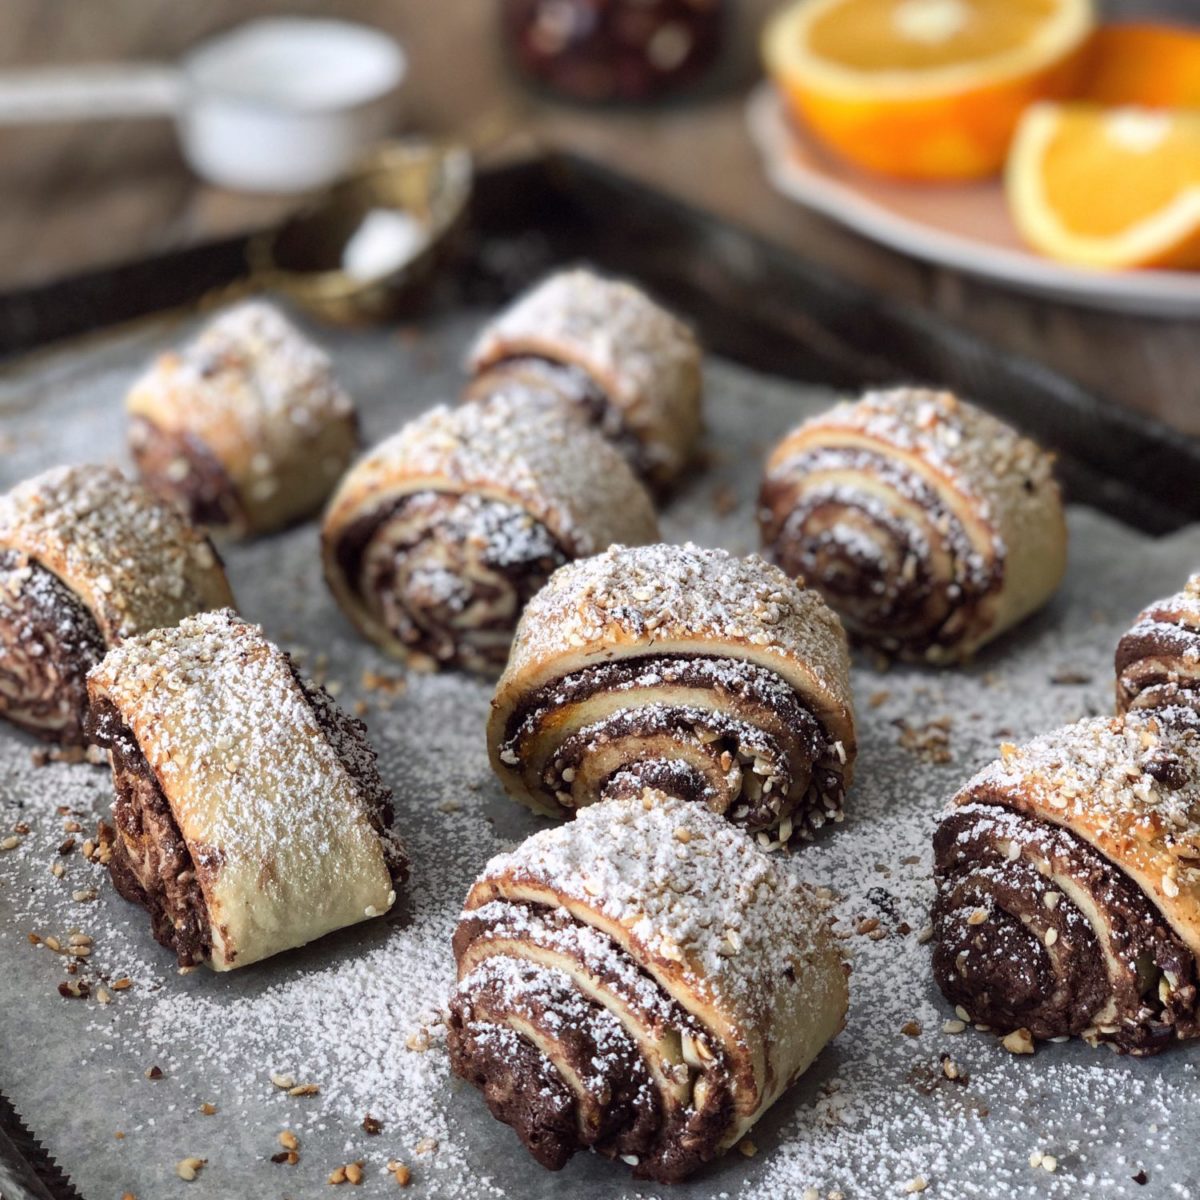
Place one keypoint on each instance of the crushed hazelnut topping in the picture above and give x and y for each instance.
(1020, 1041)
(188, 1168)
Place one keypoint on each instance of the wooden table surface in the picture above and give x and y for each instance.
(82, 196)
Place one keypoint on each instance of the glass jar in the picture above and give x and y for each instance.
(612, 51)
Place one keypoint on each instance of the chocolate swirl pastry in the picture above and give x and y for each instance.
(250, 816)
(927, 524)
(643, 982)
(603, 346)
(246, 427)
(713, 678)
(1068, 885)
(1158, 659)
(438, 537)
(88, 558)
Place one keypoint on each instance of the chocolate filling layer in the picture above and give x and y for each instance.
(48, 643)
(503, 1003)
(875, 567)
(1015, 949)
(151, 864)
(182, 468)
(1158, 665)
(448, 575)
(757, 754)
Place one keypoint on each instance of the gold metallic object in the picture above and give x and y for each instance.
(302, 258)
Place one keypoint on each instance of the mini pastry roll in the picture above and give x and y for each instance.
(249, 814)
(1068, 885)
(1158, 659)
(643, 982)
(88, 558)
(930, 526)
(713, 678)
(246, 427)
(605, 347)
(438, 537)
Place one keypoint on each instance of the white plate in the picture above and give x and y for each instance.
(966, 227)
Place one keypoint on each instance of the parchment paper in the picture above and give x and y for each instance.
(873, 1114)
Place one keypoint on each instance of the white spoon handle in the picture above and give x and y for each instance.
(88, 93)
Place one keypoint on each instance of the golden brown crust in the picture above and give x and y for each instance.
(719, 927)
(1128, 785)
(132, 560)
(678, 601)
(646, 362)
(248, 416)
(1158, 659)
(961, 512)
(282, 834)
(528, 455)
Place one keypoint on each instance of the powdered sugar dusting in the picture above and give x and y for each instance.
(984, 458)
(511, 445)
(665, 592)
(644, 359)
(133, 560)
(873, 1112)
(715, 905)
(252, 366)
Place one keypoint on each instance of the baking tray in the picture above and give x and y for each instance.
(876, 1111)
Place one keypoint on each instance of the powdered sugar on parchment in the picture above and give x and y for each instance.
(347, 1014)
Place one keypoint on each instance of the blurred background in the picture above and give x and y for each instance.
(79, 195)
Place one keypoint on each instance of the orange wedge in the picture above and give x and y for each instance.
(924, 89)
(1108, 187)
(1156, 65)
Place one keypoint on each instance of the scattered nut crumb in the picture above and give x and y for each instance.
(372, 1125)
(155, 1072)
(911, 1029)
(351, 1173)
(1020, 1041)
(746, 1148)
(188, 1168)
(916, 1185)
(208, 1109)
(929, 742)
(724, 500)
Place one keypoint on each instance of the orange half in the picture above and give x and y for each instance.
(1155, 65)
(1108, 187)
(924, 89)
